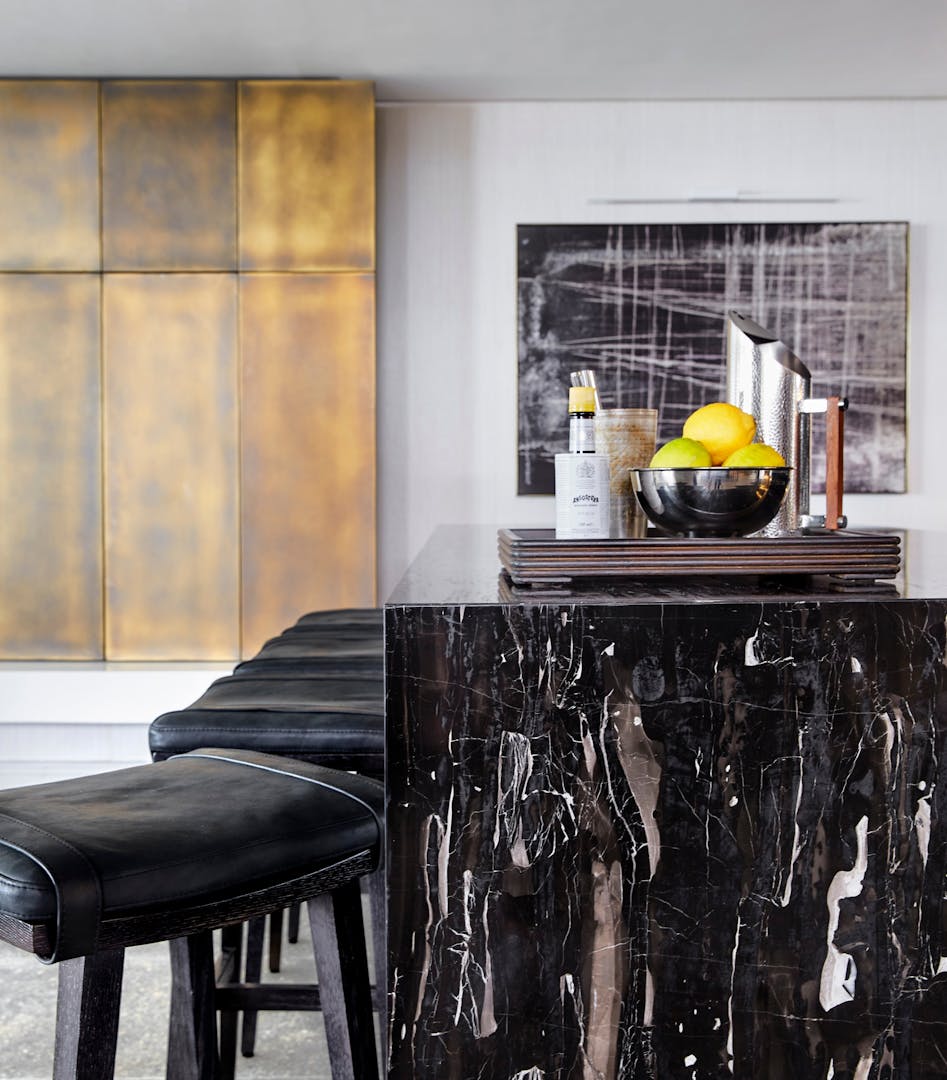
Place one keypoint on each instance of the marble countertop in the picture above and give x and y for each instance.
(460, 565)
(694, 832)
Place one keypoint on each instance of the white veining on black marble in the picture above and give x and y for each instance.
(837, 985)
(662, 841)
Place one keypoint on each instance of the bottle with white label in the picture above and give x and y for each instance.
(582, 488)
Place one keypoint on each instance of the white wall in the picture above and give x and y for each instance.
(62, 720)
(455, 180)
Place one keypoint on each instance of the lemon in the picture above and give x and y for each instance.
(681, 454)
(755, 456)
(721, 427)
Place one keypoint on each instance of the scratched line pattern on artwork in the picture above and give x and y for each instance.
(645, 307)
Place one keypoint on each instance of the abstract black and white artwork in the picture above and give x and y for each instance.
(644, 307)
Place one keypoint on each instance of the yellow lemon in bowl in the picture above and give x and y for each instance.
(755, 456)
(721, 427)
(681, 454)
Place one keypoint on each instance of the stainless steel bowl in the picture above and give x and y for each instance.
(710, 502)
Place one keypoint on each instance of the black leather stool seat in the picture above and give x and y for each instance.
(319, 667)
(333, 739)
(325, 643)
(353, 638)
(354, 697)
(204, 826)
(338, 723)
(328, 648)
(329, 642)
(336, 633)
(361, 639)
(172, 852)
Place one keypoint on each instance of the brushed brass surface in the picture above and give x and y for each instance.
(171, 503)
(307, 447)
(50, 467)
(306, 153)
(49, 175)
(169, 175)
(122, 460)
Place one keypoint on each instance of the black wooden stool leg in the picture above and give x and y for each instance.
(90, 992)
(378, 899)
(228, 971)
(192, 1039)
(338, 944)
(292, 929)
(276, 939)
(254, 966)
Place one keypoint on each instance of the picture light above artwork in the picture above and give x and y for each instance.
(721, 197)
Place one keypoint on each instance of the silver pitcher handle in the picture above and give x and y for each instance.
(834, 408)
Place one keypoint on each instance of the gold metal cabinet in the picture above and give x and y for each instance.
(50, 467)
(307, 447)
(49, 175)
(169, 175)
(306, 175)
(171, 525)
(125, 410)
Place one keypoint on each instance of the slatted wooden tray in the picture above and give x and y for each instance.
(680, 589)
(535, 556)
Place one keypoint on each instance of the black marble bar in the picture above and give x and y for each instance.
(690, 831)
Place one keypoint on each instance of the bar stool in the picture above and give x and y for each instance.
(315, 693)
(350, 641)
(334, 722)
(172, 851)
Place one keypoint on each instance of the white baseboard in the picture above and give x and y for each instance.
(63, 720)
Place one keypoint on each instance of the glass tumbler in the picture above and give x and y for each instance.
(627, 437)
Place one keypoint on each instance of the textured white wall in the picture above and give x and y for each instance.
(455, 180)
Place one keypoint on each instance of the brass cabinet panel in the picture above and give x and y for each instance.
(306, 175)
(50, 467)
(169, 175)
(49, 175)
(307, 447)
(171, 503)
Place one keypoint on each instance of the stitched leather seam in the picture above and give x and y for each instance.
(11, 883)
(287, 772)
(289, 749)
(202, 891)
(61, 933)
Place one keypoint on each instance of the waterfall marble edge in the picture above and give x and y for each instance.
(660, 840)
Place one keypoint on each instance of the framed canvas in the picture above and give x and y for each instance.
(644, 307)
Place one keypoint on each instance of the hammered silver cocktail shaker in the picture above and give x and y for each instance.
(767, 380)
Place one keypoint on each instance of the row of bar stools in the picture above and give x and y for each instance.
(315, 692)
(172, 851)
(344, 644)
(348, 646)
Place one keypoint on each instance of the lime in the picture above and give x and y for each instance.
(681, 454)
(755, 456)
(721, 427)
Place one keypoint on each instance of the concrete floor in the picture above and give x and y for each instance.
(289, 1045)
